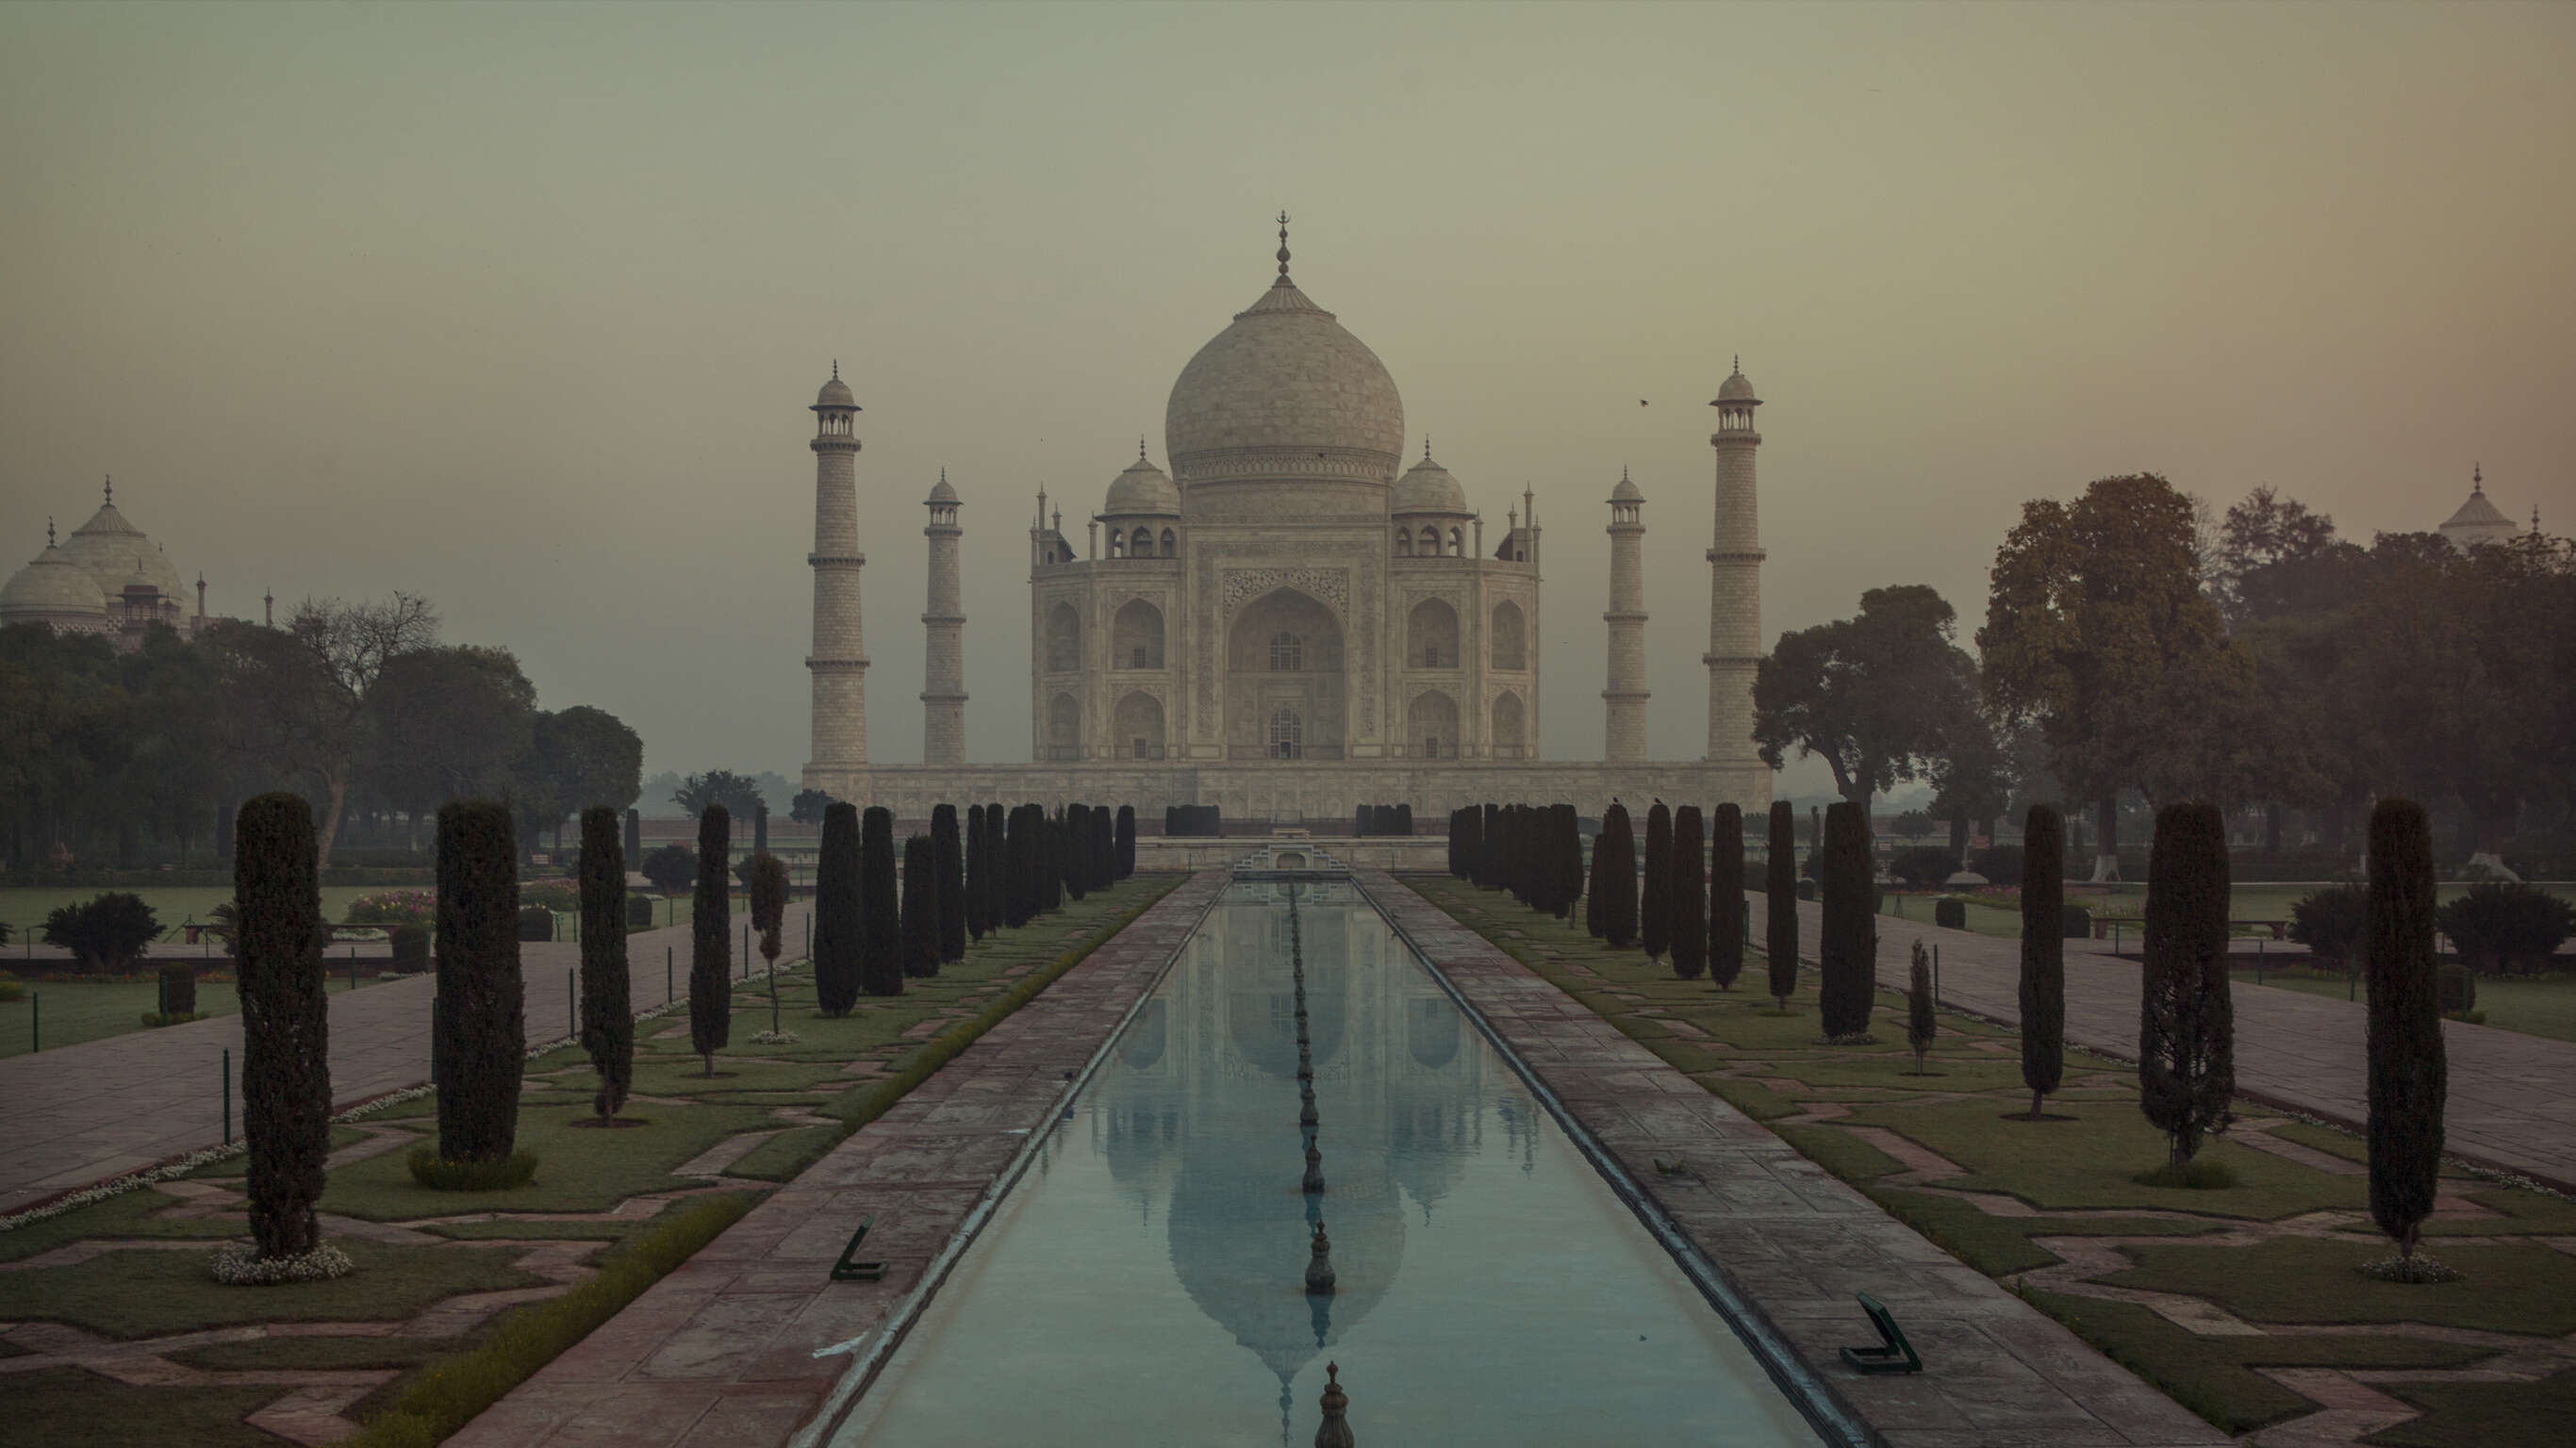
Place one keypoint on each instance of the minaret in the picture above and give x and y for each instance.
(943, 687)
(839, 661)
(1734, 577)
(1624, 735)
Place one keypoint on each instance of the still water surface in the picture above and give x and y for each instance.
(1144, 1283)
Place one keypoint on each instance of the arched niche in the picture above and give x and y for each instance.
(1137, 732)
(1064, 728)
(1431, 725)
(1510, 637)
(1431, 636)
(1284, 649)
(1063, 639)
(1136, 636)
(1510, 726)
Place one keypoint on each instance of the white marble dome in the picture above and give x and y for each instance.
(1427, 487)
(1143, 488)
(1284, 391)
(835, 393)
(112, 551)
(52, 589)
(1737, 388)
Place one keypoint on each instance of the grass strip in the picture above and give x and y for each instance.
(449, 1395)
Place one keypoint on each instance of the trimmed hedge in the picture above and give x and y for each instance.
(2075, 923)
(410, 948)
(1950, 914)
(536, 922)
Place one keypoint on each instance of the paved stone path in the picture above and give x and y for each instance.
(1796, 1243)
(721, 1352)
(2512, 1103)
(85, 1113)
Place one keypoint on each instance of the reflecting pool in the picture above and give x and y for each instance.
(1145, 1282)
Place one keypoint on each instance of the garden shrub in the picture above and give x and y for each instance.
(1950, 914)
(949, 858)
(1921, 867)
(672, 868)
(639, 912)
(107, 934)
(2043, 953)
(178, 990)
(2494, 926)
(1689, 895)
(554, 892)
(1615, 848)
(2000, 864)
(1655, 893)
(2331, 923)
(410, 945)
(919, 940)
(880, 918)
(1806, 888)
(2074, 922)
(2459, 988)
(536, 922)
(394, 907)
(286, 1017)
(1124, 843)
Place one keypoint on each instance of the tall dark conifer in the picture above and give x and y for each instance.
(997, 873)
(1847, 946)
(711, 939)
(2186, 1015)
(949, 866)
(920, 938)
(478, 1045)
(1565, 835)
(880, 918)
(1687, 895)
(2043, 953)
(286, 1020)
(1489, 861)
(1126, 842)
(607, 1014)
(1077, 853)
(1726, 897)
(1592, 881)
(1655, 892)
(977, 859)
(1618, 878)
(2409, 1072)
(1780, 902)
(836, 911)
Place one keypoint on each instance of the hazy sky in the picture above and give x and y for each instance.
(521, 308)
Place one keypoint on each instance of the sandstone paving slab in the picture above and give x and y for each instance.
(722, 1351)
(1797, 1243)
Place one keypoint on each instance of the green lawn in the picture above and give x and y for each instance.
(2295, 1233)
(2538, 1005)
(2254, 901)
(77, 1011)
(150, 1290)
(24, 907)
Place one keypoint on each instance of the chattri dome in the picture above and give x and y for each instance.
(52, 588)
(836, 393)
(1285, 391)
(1142, 488)
(1737, 388)
(1427, 487)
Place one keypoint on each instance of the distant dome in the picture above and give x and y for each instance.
(111, 550)
(52, 589)
(1737, 388)
(1626, 492)
(940, 492)
(1143, 488)
(1284, 391)
(836, 393)
(1427, 487)
(2477, 521)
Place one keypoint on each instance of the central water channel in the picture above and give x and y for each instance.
(1145, 1281)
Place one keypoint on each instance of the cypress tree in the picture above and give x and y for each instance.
(1104, 849)
(479, 1042)
(1920, 1023)
(836, 912)
(1618, 878)
(1077, 850)
(1126, 842)
(1780, 903)
(1017, 878)
(949, 880)
(880, 922)
(1688, 896)
(977, 860)
(607, 1013)
(920, 939)
(1726, 897)
(769, 917)
(2186, 1020)
(1051, 865)
(2043, 953)
(1592, 880)
(997, 869)
(1489, 858)
(1655, 895)
(2409, 1073)
(711, 939)
(1569, 857)
(1847, 946)
(286, 1017)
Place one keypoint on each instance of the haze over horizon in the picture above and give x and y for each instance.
(521, 309)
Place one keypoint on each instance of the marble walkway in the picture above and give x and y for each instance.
(86, 1113)
(2512, 1103)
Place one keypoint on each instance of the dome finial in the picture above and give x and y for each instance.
(111, 487)
(1283, 251)
(836, 369)
(49, 531)
(1426, 447)
(2477, 479)
(1140, 447)
(1623, 472)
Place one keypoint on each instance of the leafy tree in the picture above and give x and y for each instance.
(1921, 867)
(739, 794)
(108, 933)
(1913, 824)
(808, 806)
(579, 757)
(2043, 954)
(2332, 923)
(880, 920)
(711, 940)
(478, 1042)
(949, 860)
(671, 867)
(769, 918)
(1972, 777)
(2273, 553)
(1780, 902)
(1877, 695)
(2186, 1022)
(2498, 925)
(286, 1021)
(1616, 879)
(1655, 897)
(445, 723)
(607, 1007)
(1847, 946)
(836, 912)
(2409, 1074)
(1689, 895)
(1726, 897)
(291, 701)
(919, 944)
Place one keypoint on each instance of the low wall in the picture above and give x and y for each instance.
(1393, 853)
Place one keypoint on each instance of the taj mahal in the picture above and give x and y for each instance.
(1291, 622)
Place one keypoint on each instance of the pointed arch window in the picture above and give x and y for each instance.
(1171, 544)
(1287, 733)
(1143, 546)
(1287, 653)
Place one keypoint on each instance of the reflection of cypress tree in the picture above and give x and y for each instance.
(1726, 897)
(607, 1016)
(711, 939)
(286, 1018)
(880, 922)
(1780, 901)
(2043, 953)
(949, 879)
(1618, 878)
(2186, 1020)
(1847, 946)
(1655, 897)
(1688, 898)
(920, 940)
(836, 911)
(978, 860)
(2409, 1075)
